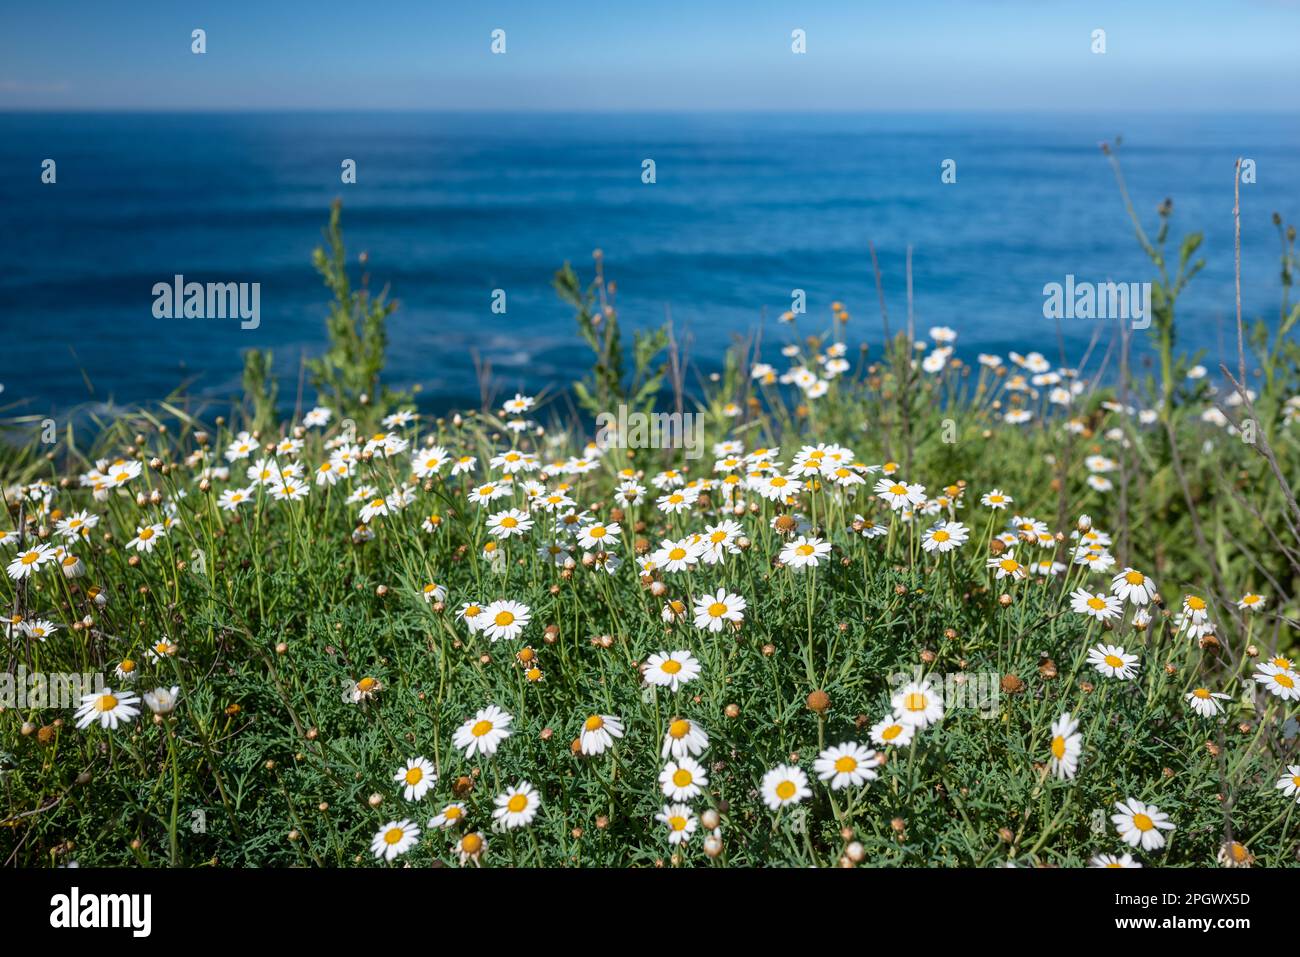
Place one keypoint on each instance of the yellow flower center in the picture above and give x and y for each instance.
(414, 776)
(517, 804)
(1142, 822)
(481, 728)
(106, 702)
(127, 665)
(1195, 604)
(393, 835)
(677, 822)
(594, 723)
(846, 764)
(597, 532)
(146, 534)
(717, 609)
(1058, 747)
(682, 777)
(805, 550)
(1096, 603)
(679, 728)
(914, 701)
(1202, 693)
(1114, 662)
(451, 813)
(677, 554)
(671, 667)
(366, 684)
(898, 489)
(1134, 578)
(785, 790)
(1284, 680)
(893, 731)
(31, 557)
(941, 536)
(471, 843)
(505, 618)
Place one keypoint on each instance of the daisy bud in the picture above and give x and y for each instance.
(135, 844)
(997, 547)
(281, 648)
(819, 701)
(1252, 651)
(84, 777)
(140, 500)
(898, 824)
(927, 655)
(846, 834)
(155, 497)
(709, 819)
(950, 634)
(1011, 684)
(1006, 835)
(732, 711)
(743, 543)
(1085, 687)
(269, 765)
(28, 729)
(134, 561)
(1047, 670)
(1004, 600)
(602, 822)
(312, 734)
(658, 589)
(293, 834)
(485, 659)
(769, 650)
(713, 845)
(381, 591)
(376, 799)
(155, 463)
(1212, 748)
(856, 852)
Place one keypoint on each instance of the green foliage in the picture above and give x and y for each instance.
(348, 373)
(260, 387)
(610, 383)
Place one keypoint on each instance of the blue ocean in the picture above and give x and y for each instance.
(744, 209)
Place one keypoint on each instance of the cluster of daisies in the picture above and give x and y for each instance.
(519, 500)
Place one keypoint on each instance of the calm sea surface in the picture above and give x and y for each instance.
(450, 207)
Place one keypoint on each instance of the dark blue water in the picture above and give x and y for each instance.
(449, 207)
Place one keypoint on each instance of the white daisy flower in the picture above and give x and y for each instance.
(395, 837)
(845, 765)
(671, 669)
(1140, 824)
(517, 806)
(784, 784)
(417, 776)
(483, 733)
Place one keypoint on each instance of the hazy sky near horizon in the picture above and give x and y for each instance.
(670, 55)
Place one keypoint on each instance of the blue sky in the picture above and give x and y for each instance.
(670, 55)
